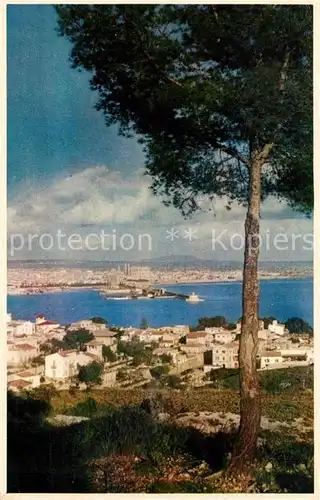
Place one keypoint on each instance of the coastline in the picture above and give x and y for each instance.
(49, 290)
(235, 280)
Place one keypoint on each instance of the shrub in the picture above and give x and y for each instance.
(27, 409)
(91, 374)
(159, 371)
(108, 354)
(173, 381)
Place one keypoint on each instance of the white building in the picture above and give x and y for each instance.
(174, 353)
(214, 329)
(18, 354)
(263, 334)
(225, 355)
(44, 327)
(87, 324)
(148, 336)
(277, 328)
(106, 336)
(299, 352)
(179, 330)
(17, 328)
(203, 338)
(169, 340)
(270, 358)
(40, 318)
(224, 337)
(193, 348)
(29, 376)
(64, 364)
(96, 347)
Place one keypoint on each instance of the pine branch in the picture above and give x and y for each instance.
(149, 57)
(235, 154)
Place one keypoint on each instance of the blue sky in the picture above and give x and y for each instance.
(52, 126)
(67, 170)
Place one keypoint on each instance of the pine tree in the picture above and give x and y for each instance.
(221, 98)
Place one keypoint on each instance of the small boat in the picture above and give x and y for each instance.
(193, 298)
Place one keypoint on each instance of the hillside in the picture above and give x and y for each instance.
(164, 441)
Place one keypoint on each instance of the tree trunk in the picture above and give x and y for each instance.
(250, 401)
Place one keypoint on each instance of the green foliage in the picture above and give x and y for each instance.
(77, 339)
(26, 409)
(135, 350)
(231, 326)
(267, 321)
(122, 374)
(108, 354)
(271, 381)
(90, 374)
(159, 371)
(173, 381)
(205, 88)
(99, 320)
(166, 358)
(287, 379)
(214, 321)
(181, 487)
(89, 408)
(298, 325)
(45, 392)
(38, 360)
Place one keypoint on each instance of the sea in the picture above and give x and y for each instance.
(281, 298)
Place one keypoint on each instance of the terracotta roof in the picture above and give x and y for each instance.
(19, 384)
(24, 347)
(196, 335)
(64, 354)
(270, 354)
(26, 374)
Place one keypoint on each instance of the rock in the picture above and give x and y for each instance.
(185, 475)
(203, 466)
(161, 417)
(302, 468)
(269, 467)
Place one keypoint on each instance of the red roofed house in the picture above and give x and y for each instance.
(46, 326)
(19, 354)
(30, 376)
(64, 364)
(19, 384)
(40, 318)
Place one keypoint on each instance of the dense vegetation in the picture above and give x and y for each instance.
(123, 448)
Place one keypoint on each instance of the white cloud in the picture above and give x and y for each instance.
(97, 197)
